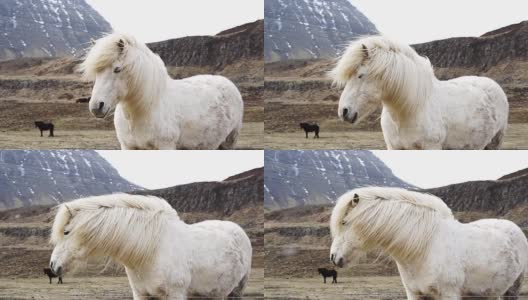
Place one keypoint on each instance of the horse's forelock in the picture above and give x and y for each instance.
(62, 217)
(104, 53)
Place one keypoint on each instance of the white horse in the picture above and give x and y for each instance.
(436, 255)
(153, 111)
(163, 256)
(419, 111)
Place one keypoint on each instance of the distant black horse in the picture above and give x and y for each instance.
(310, 127)
(50, 274)
(45, 126)
(83, 100)
(328, 273)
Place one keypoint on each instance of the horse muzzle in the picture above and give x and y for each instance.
(56, 269)
(339, 262)
(100, 111)
(349, 116)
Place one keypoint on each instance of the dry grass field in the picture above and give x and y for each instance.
(75, 128)
(350, 288)
(93, 287)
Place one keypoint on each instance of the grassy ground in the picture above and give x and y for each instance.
(516, 138)
(93, 288)
(251, 138)
(351, 288)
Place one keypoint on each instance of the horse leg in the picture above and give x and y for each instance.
(513, 292)
(449, 295)
(230, 141)
(316, 134)
(41, 133)
(60, 280)
(306, 131)
(238, 291)
(51, 132)
(496, 141)
(49, 279)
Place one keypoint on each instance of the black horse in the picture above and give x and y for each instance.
(45, 126)
(328, 273)
(310, 127)
(50, 274)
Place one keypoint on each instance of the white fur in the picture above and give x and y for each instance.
(419, 111)
(436, 255)
(153, 111)
(163, 256)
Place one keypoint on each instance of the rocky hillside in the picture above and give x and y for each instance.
(500, 196)
(306, 29)
(226, 196)
(29, 178)
(227, 47)
(506, 44)
(48, 28)
(294, 178)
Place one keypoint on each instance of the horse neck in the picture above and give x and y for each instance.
(405, 104)
(137, 105)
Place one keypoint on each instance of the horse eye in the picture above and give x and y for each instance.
(66, 232)
(343, 222)
(117, 70)
(361, 76)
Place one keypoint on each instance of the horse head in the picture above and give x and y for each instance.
(105, 63)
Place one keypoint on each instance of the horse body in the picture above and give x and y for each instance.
(419, 111)
(436, 255)
(483, 258)
(51, 275)
(207, 267)
(163, 257)
(468, 112)
(43, 126)
(202, 112)
(328, 273)
(153, 111)
(310, 127)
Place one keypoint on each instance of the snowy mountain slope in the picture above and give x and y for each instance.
(293, 178)
(305, 29)
(43, 28)
(51, 177)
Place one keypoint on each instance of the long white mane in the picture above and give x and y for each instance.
(146, 72)
(397, 220)
(405, 77)
(126, 227)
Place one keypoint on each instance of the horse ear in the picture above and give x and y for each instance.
(121, 45)
(365, 51)
(69, 210)
(355, 200)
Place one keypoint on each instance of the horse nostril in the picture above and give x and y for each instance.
(51, 265)
(345, 112)
(101, 104)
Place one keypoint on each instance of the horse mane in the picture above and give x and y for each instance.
(125, 227)
(399, 221)
(406, 78)
(147, 74)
